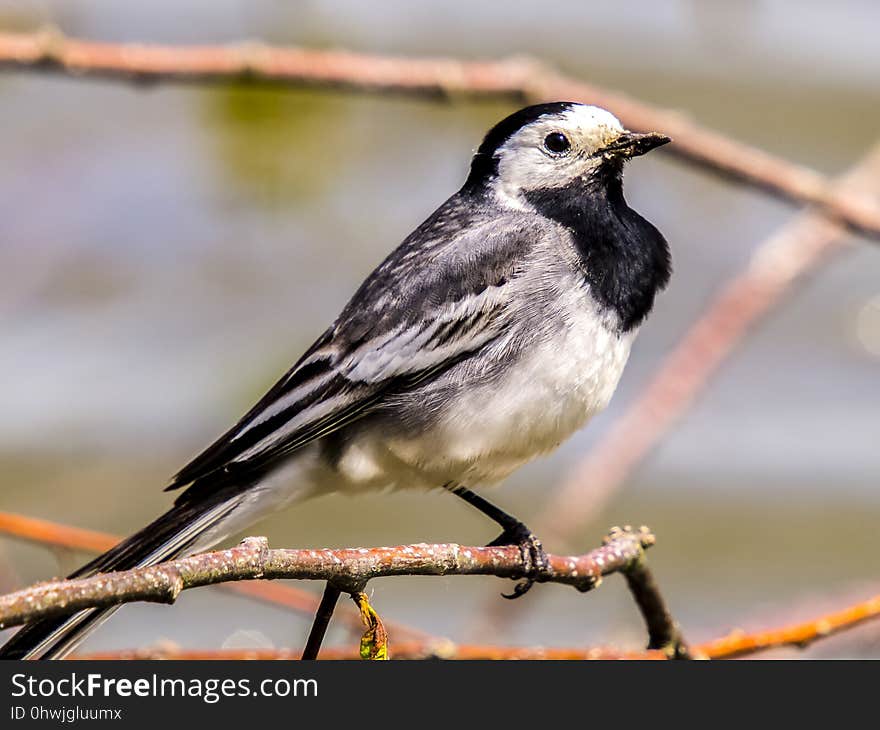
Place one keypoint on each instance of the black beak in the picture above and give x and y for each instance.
(633, 144)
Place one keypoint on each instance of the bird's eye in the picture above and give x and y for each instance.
(556, 142)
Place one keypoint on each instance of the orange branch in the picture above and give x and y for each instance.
(740, 643)
(405, 650)
(54, 534)
(736, 644)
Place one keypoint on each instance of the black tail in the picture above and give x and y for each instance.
(167, 537)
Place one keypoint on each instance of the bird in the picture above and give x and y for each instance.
(492, 333)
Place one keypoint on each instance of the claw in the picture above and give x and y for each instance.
(535, 562)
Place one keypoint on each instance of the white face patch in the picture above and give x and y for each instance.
(525, 163)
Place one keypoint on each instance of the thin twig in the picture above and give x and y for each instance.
(664, 633)
(516, 79)
(349, 568)
(322, 621)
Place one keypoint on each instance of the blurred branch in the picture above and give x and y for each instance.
(515, 79)
(736, 644)
(405, 650)
(350, 569)
(54, 534)
(801, 635)
(775, 267)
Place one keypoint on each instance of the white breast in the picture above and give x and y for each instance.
(547, 393)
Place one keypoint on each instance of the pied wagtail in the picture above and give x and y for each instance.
(493, 332)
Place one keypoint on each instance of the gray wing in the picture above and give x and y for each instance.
(439, 298)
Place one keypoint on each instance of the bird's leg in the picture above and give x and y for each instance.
(535, 560)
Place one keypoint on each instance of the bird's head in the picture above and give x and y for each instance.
(553, 146)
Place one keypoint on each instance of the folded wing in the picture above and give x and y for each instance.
(423, 310)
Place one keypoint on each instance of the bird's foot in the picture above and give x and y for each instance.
(536, 565)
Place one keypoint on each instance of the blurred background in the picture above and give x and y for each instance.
(167, 251)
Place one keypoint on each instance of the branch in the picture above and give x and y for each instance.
(736, 644)
(349, 568)
(321, 621)
(664, 634)
(515, 79)
(405, 650)
(54, 534)
(801, 635)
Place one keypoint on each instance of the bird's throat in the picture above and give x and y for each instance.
(624, 258)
